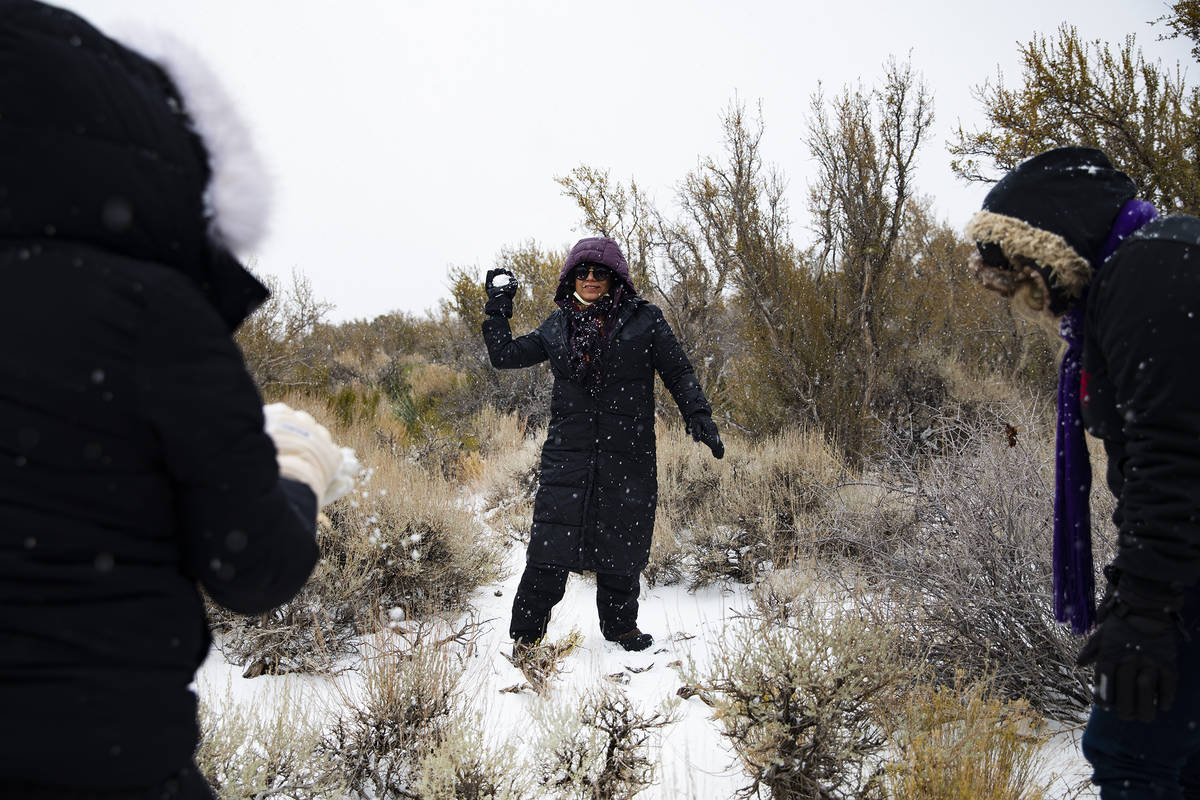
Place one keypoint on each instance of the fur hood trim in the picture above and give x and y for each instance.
(237, 199)
(1018, 239)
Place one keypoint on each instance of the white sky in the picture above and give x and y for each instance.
(406, 137)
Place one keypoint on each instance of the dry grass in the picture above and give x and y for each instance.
(963, 564)
(403, 540)
(798, 685)
(401, 713)
(961, 742)
(244, 753)
(429, 381)
(464, 766)
(541, 663)
(732, 518)
(597, 748)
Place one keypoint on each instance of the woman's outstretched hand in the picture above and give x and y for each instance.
(501, 287)
(701, 428)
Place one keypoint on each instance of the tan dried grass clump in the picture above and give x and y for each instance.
(731, 518)
(598, 747)
(507, 480)
(798, 686)
(263, 752)
(543, 662)
(962, 562)
(433, 380)
(403, 710)
(961, 742)
(464, 766)
(404, 539)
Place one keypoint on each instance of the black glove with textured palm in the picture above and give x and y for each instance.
(1134, 648)
(500, 298)
(701, 428)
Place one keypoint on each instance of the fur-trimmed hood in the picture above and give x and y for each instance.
(136, 151)
(1054, 213)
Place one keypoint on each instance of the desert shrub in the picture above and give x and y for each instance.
(598, 749)
(964, 565)
(463, 766)
(730, 519)
(961, 742)
(402, 712)
(351, 404)
(505, 475)
(798, 685)
(403, 540)
(542, 663)
(268, 752)
(275, 339)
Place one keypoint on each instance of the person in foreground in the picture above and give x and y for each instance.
(1064, 236)
(597, 490)
(134, 464)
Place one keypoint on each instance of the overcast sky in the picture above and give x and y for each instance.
(408, 137)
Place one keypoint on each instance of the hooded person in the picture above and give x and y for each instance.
(136, 463)
(597, 486)
(1065, 237)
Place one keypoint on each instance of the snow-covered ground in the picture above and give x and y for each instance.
(694, 761)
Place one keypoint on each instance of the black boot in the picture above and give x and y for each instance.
(634, 640)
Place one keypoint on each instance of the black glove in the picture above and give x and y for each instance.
(500, 298)
(1134, 648)
(701, 428)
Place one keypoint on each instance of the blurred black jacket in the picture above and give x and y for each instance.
(133, 462)
(1140, 393)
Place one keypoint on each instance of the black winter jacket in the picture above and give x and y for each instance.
(598, 489)
(133, 463)
(1141, 395)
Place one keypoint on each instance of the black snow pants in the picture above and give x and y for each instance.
(542, 586)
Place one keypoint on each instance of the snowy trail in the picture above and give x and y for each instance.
(693, 761)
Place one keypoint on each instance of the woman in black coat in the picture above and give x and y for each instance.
(134, 465)
(1064, 236)
(597, 491)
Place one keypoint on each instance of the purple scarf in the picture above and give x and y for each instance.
(1074, 581)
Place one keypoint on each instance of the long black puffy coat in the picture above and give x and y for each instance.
(133, 463)
(598, 489)
(1141, 395)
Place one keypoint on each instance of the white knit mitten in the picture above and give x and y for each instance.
(306, 453)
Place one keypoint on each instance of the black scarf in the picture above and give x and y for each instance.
(586, 338)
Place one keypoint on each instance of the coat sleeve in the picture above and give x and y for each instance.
(505, 352)
(247, 535)
(1146, 320)
(676, 371)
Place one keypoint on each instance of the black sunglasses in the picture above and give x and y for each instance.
(600, 273)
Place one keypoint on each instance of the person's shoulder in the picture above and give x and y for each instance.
(643, 306)
(651, 311)
(1183, 228)
(1160, 245)
(552, 319)
(175, 299)
(1157, 261)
